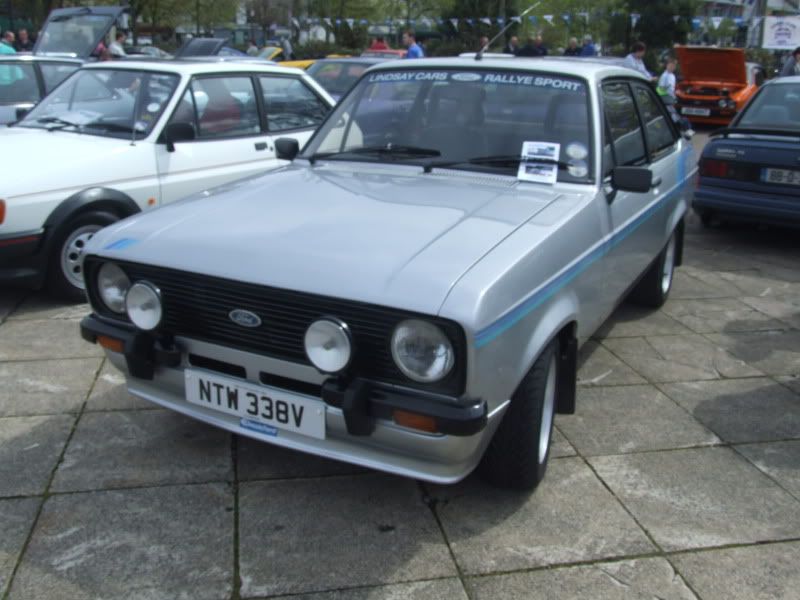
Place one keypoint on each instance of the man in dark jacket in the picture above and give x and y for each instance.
(534, 47)
(24, 43)
(792, 66)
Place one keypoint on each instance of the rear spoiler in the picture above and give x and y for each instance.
(755, 131)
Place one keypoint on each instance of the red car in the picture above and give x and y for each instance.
(716, 83)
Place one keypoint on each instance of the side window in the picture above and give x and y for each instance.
(18, 83)
(660, 136)
(623, 124)
(55, 73)
(226, 107)
(185, 112)
(290, 104)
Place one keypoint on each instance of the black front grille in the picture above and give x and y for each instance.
(197, 306)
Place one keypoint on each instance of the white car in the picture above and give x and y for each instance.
(117, 138)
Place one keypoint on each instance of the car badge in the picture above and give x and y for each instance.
(245, 318)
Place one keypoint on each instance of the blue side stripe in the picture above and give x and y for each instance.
(537, 298)
(121, 244)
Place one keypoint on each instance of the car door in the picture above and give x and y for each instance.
(637, 133)
(231, 141)
(293, 109)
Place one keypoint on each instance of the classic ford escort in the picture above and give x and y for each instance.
(411, 292)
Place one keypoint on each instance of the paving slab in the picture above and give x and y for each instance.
(634, 321)
(773, 352)
(643, 579)
(700, 497)
(570, 518)
(678, 358)
(154, 543)
(718, 315)
(439, 589)
(29, 450)
(559, 445)
(40, 340)
(686, 286)
(259, 460)
(615, 420)
(138, 448)
(765, 572)
(779, 460)
(336, 532)
(42, 307)
(741, 410)
(768, 280)
(16, 520)
(9, 300)
(597, 366)
(45, 387)
(784, 308)
(111, 393)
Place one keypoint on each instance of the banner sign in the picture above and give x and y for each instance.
(781, 33)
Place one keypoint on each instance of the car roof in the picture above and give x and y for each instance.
(575, 67)
(196, 66)
(790, 79)
(361, 60)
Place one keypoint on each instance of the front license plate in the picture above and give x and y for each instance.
(696, 112)
(782, 176)
(257, 405)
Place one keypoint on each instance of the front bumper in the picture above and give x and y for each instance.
(749, 205)
(22, 258)
(358, 414)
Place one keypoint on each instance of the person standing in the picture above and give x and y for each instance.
(792, 66)
(572, 49)
(482, 42)
(635, 61)
(588, 46)
(410, 42)
(116, 48)
(666, 89)
(24, 43)
(286, 46)
(379, 44)
(512, 47)
(533, 47)
(252, 48)
(7, 43)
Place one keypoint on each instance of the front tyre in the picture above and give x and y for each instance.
(654, 287)
(517, 455)
(65, 268)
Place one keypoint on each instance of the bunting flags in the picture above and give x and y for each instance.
(549, 19)
(716, 22)
(635, 19)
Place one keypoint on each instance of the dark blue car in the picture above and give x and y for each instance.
(751, 170)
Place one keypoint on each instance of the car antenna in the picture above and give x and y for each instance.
(479, 55)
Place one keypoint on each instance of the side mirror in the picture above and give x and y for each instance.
(22, 112)
(178, 132)
(287, 148)
(632, 179)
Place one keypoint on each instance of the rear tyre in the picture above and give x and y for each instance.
(517, 455)
(653, 289)
(65, 268)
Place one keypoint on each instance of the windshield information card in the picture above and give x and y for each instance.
(539, 162)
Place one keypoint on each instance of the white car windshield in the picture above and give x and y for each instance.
(108, 102)
(479, 119)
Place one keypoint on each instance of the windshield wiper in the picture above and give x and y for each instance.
(58, 121)
(387, 150)
(113, 126)
(495, 159)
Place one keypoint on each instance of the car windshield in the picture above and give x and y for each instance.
(337, 77)
(17, 83)
(477, 120)
(122, 103)
(776, 106)
(73, 34)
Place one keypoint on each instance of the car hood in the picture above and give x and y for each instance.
(726, 65)
(43, 161)
(385, 235)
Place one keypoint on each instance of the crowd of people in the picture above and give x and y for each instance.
(11, 43)
(535, 46)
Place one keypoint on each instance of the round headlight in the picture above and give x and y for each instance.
(143, 304)
(723, 103)
(422, 351)
(328, 345)
(112, 285)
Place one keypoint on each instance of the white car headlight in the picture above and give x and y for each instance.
(143, 304)
(422, 351)
(112, 285)
(328, 345)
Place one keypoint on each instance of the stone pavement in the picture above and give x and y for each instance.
(679, 476)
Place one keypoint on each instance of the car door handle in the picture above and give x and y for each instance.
(656, 182)
(261, 146)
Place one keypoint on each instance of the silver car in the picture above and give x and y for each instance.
(410, 294)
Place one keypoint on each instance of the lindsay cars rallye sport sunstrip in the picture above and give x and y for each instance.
(118, 138)
(410, 294)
